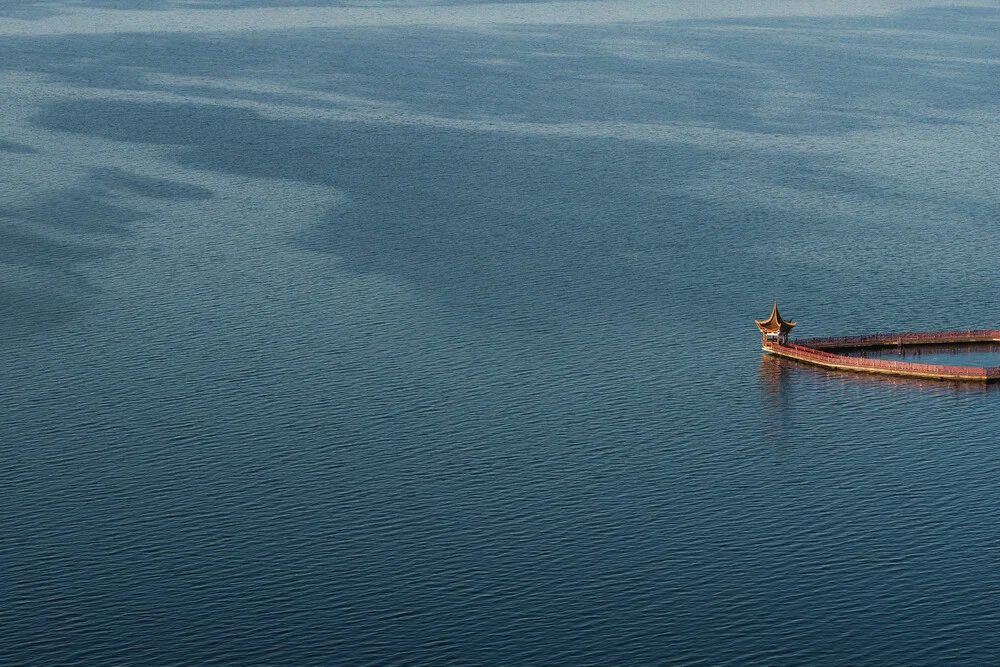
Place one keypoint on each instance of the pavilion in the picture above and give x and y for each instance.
(774, 329)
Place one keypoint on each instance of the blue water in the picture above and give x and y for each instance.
(400, 343)
(981, 355)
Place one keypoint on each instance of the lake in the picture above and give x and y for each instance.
(350, 333)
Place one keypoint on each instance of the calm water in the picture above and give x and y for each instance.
(343, 338)
(985, 355)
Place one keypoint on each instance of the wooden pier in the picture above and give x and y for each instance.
(903, 339)
(820, 351)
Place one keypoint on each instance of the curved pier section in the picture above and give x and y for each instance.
(817, 351)
(842, 362)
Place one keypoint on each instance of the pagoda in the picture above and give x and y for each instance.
(774, 329)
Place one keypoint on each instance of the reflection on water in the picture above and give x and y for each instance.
(775, 384)
(773, 377)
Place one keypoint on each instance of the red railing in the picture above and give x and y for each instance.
(889, 339)
(809, 354)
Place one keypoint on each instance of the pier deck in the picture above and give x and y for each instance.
(816, 351)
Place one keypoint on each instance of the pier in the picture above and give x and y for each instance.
(823, 351)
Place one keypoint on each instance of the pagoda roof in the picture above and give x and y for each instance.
(774, 324)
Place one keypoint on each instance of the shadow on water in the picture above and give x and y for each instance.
(14, 147)
(75, 210)
(44, 241)
(828, 87)
(144, 186)
(471, 212)
(30, 247)
(42, 244)
(499, 214)
(505, 216)
(25, 309)
(480, 217)
(28, 9)
(39, 9)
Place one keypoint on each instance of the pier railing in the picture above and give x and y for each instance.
(799, 351)
(890, 339)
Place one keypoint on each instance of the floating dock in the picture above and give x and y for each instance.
(823, 351)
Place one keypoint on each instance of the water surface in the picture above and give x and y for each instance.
(432, 343)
